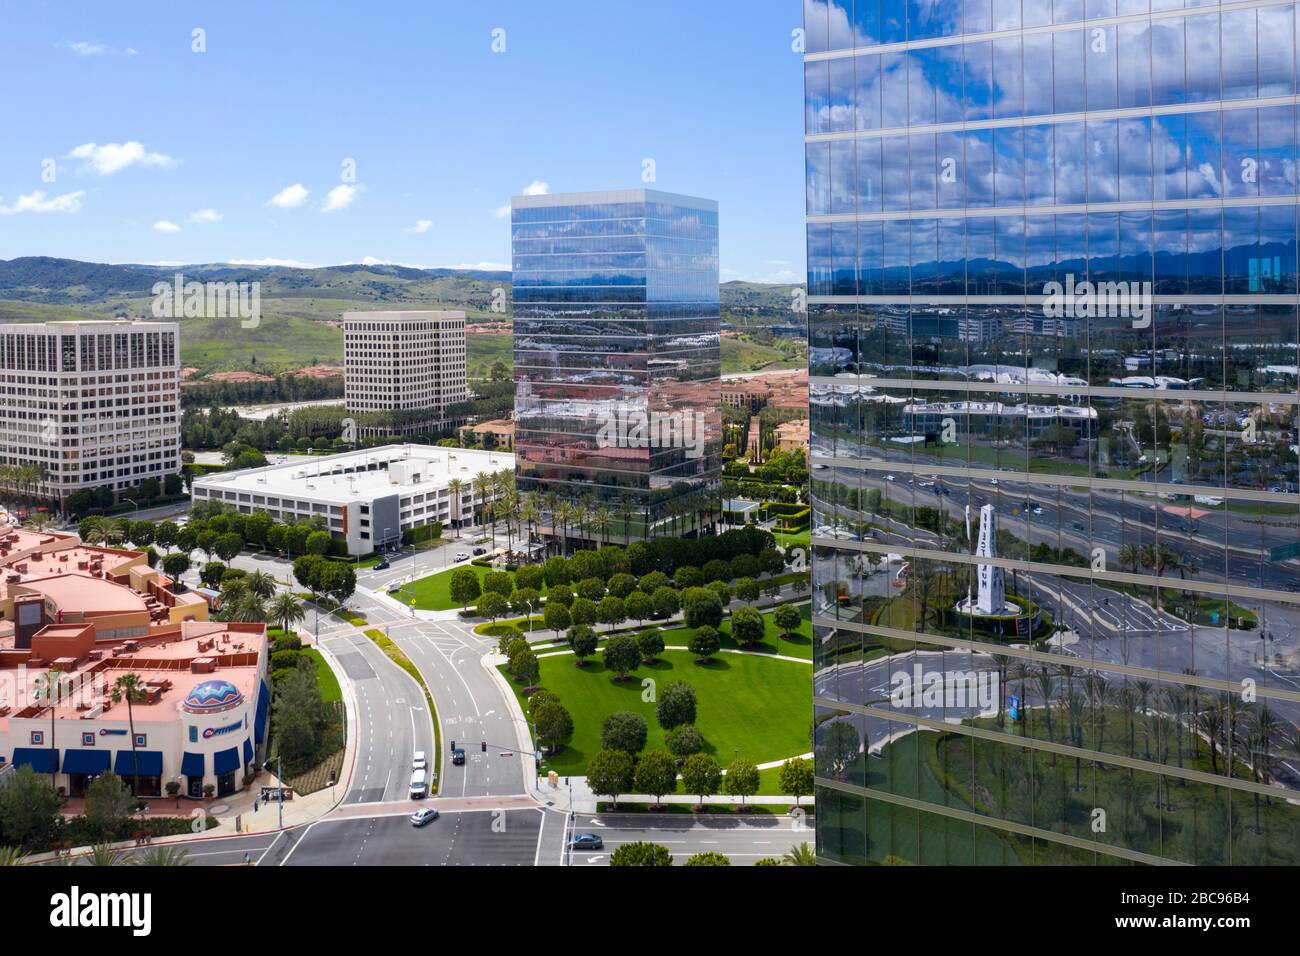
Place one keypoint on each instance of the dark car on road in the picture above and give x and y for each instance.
(382, 565)
(422, 816)
(479, 552)
(587, 841)
(458, 756)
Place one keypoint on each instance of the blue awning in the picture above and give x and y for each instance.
(248, 751)
(192, 765)
(40, 759)
(224, 761)
(85, 761)
(263, 706)
(148, 763)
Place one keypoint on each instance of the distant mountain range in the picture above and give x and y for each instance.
(96, 286)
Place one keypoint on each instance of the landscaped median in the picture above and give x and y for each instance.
(398, 657)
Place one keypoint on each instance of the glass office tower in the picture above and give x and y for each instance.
(1053, 353)
(617, 363)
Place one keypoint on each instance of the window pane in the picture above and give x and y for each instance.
(1240, 153)
(1067, 69)
(1134, 85)
(816, 97)
(1168, 140)
(1071, 178)
(841, 118)
(977, 69)
(947, 84)
(924, 171)
(869, 181)
(1103, 161)
(1102, 57)
(894, 165)
(1007, 99)
(867, 72)
(818, 173)
(1239, 78)
(1135, 160)
(1038, 165)
(1277, 173)
(1202, 39)
(951, 170)
(920, 87)
(1204, 173)
(1276, 51)
(977, 170)
(1168, 73)
(1009, 165)
(1038, 74)
(843, 177)
(893, 85)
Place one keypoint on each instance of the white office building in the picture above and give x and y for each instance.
(92, 403)
(367, 498)
(404, 362)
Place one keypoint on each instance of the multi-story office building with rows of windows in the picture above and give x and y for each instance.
(617, 362)
(88, 405)
(1052, 268)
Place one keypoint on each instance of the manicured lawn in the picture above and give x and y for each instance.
(432, 593)
(325, 677)
(797, 539)
(772, 643)
(747, 703)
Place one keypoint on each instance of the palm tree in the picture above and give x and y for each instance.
(560, 516)
(130, 688)
(1130, 557)
(625, 515)
(1211, 723)
(1046, 682)
(1264, 728)
(801, 855)
(162, 856)
(52, 678)
(261, 584)
(286, 610)
(102, 854)
(11, 856)
(1144, 688)
(249, 608)
(94, 530)
(456, 487)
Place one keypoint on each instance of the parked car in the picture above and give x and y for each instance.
(462, 556)
(587, 841)
(479, 552)
(419, 762)
(424, 815)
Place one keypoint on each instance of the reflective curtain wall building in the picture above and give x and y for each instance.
(1053, 371)
(617, 362)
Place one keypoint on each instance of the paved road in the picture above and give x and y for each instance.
(741, 839)
(467, 838)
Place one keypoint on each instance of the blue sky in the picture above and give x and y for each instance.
(161, 154)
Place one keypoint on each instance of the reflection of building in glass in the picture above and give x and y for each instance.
(1052, 276)
(616, 315)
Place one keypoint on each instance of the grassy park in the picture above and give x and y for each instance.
(748, 704)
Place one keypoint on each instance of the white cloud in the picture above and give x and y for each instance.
(94, 48)
(536, 188)
(481, 266)
(110, 158)
(166, 226)
(288, 263)
(290, 197)
(421, 226)
(206, 216)
(375, 261)
(38, 202)
(340, 197)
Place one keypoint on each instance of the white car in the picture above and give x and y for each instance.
(462, 556)
(418, 762)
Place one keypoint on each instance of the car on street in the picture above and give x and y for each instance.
(382, 565)
(461, 556)
(419, 784)
(458, 756)
(587, 841)
(419, 761)
(424, 815)
(479, 552)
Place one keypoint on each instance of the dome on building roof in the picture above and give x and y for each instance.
(212, 695)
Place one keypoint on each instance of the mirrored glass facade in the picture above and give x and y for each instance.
(617, 363)
(1052, 263)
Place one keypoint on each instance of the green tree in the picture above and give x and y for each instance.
(651, 643)
(676, 706)
(641, 853)
(612, 612)
(684, 740)
(702, 608)
(610, 773)
(701, 775)
(704, 643)
(742, 778)
(666, 601)
(707, 858)
(622, 655)
(556, 617)
(583, 641)
(583, 612)
(638, 606)
(554, 724)
(498, 581)
(747, 627)
(491, 605)
(464, 586)
(318, 542)
(624, 730)
(796, 777)
(801, 855)
(29, 809)
(787, 619)
(287, 611)
(108, 806)
(656, 774)
(175, 565)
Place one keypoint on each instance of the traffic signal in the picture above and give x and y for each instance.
(453, 745)
(483, 746)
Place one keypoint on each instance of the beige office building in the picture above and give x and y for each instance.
(92, 403)
(404, 362)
